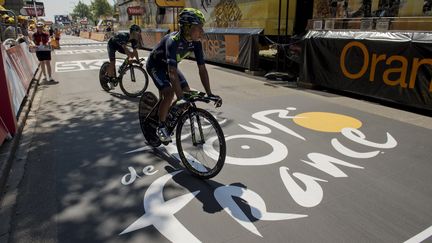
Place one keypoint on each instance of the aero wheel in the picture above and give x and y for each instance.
(148, 123)
(103, 78)
(134, 81)
(200, 143)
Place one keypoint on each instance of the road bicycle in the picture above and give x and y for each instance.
(132, 77)
(198, 136)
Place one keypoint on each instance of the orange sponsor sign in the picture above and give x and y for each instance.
(170, 3)
(232, 48)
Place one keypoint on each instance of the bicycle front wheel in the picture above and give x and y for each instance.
(200, 143)
(134, 81)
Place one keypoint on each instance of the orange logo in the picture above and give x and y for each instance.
(370, 63)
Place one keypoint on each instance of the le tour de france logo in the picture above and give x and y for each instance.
(305, 190)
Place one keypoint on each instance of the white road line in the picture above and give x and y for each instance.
(421, 236)
(83, 45)
(83, 65)
(82, 51)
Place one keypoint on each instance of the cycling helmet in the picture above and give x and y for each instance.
(191, 16)
(39, 24)
(135, 28)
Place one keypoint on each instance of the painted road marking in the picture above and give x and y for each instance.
(82, 65)
(84, 45)
(75, 66)
(83, 51)
(421, 236)
(326, 121)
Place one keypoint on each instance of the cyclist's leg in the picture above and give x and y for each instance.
(111, 54)
(166, 95)
(183, 83)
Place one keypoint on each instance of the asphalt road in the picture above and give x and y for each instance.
(301, 166)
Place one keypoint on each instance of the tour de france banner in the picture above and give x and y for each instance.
(261, 14)
(390, 66)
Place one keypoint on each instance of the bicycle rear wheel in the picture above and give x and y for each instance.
(103, 78)
(148, 125)
(134, 81)
(200, 143)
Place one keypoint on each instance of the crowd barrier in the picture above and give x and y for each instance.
(393, 66)
(98, 36)
(17, 68)
(84, 34)
(232, 46)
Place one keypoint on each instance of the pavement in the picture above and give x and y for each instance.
(74, 142)
(9, 147)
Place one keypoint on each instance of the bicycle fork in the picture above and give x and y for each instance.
(132, 73)
(201, 140)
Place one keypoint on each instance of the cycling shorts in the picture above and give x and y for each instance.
(161, 78)
(112, 48)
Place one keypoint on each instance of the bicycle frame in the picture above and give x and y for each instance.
(173, 121)
(127, 64)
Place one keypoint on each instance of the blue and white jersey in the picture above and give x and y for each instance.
(173, 48)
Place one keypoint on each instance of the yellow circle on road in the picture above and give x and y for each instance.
(326, 122)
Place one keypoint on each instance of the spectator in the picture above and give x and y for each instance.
(51, 31)
(108, 28)
(31, 31)
(10, 32)
(43, 51)
(57, 34)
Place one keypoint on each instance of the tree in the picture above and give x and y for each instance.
(82, 10)
(101, 8)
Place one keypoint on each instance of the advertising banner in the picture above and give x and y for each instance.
(3, 131)
(62, 19)
(262, 14)
(390, 66)
(135, 10)
(20, 64)
(170, 3)
(7, 113)
(371, 8)
(234, 46)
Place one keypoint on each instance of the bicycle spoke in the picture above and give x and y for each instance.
(195, 141)
(134, 81)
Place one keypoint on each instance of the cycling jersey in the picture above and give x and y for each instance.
(169, 52)
(121, 39)
(116, 43)
(172, 49)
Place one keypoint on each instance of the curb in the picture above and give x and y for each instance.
(9, 148)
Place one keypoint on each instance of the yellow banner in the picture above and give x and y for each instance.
(170, 3)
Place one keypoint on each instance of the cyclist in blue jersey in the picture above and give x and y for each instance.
(118, 43)
(163, 60)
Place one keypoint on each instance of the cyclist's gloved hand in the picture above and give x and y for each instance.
(217, 99)
(183, 100)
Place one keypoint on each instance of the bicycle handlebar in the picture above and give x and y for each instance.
(201, 96)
